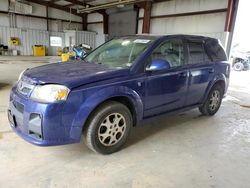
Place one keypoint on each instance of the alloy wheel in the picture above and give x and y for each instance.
(214, 100)
(112, 129)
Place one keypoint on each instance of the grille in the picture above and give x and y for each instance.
(24, 87)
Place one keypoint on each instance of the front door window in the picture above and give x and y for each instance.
(170, 51)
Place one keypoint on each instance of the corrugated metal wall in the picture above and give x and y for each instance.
(85, 37)
(28, 38)
(211, 25)
(31, 37)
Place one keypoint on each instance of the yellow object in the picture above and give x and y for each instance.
(39, 50)
(14, 41)
(65, 57)
(59, 52)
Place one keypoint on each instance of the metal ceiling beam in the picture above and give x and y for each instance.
(158, 1)
(40, 17)
(75, 2)
(69, 5)
(53, 1)
(52, 5)
(110, 5)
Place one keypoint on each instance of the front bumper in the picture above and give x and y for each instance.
(37, 123)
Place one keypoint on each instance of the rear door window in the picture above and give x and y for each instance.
(197, 54)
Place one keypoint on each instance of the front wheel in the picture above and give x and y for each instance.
(108, 128)
(213, 102)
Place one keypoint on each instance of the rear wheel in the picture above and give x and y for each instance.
(213, 102)
(108, 128)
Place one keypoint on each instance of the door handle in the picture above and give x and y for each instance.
(211, 71)
(183, 74)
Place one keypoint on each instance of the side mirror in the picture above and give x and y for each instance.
(157, 65)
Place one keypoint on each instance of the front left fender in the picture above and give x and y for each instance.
(98, 98)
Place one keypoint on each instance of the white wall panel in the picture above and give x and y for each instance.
(40, 24)
(31, 23)
(189, 24)
(183, 6)
(4, 5)
(59, 14)
(141, 12)
(34, 37)
(186, 24)
(222, 36)
(98, 28)
(84, 37)
(100, 39)
(212, 4)
(71, 26)
(38, 10)
(4, 35)
(163, 8)
(4, 20)
(122, 23)
(55, 25)
(206, 24)
(95, 17)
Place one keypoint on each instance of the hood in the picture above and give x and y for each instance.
(73, 74)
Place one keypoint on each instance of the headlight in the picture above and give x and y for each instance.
(50, 93)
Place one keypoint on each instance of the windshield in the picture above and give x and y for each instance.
(119, 53)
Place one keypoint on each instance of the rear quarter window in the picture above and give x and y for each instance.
(215, 50)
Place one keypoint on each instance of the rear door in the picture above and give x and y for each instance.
(201, 71)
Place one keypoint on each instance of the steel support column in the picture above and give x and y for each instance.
(85, 22)
(230, 15)
(146, 18)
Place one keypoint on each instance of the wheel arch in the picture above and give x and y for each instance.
(124, 95)
(126, 101)
(220, 80)
(221, 83)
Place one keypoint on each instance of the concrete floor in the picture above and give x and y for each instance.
(186, 150)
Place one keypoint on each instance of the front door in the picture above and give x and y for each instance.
(166, 89)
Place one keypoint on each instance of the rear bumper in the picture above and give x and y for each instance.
(39, 124)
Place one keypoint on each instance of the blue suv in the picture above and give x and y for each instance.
(118, 85)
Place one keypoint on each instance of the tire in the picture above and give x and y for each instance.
(238, 66)
(213, 102)
(108, 128)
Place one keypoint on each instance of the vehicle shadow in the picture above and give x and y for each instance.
(159, 124)
(141, 132)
